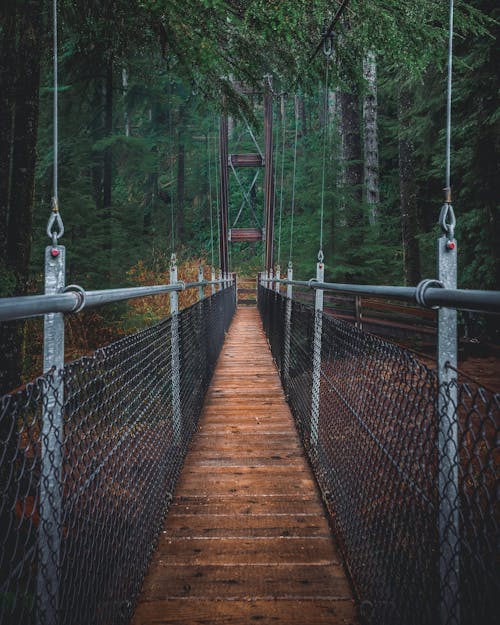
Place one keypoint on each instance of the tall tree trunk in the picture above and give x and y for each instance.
(108, 131)
(351, 214)
(372, 193)
(7, 89)
(351, 151)
(407, 191)
(22, 167)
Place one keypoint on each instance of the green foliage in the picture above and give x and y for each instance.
(179, 56)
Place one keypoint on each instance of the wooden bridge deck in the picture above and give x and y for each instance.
(246, 539)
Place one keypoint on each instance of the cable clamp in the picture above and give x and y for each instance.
(80, 294)
(422, 289)
(328, 48)
(181, 284)
(311, 282)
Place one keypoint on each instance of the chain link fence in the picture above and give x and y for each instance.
(410, 537)
(82, 504)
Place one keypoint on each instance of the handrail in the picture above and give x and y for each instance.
(464, 299)
(26, 306)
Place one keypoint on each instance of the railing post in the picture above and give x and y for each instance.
(448, 477)
(288, 319)
(316, 373)
(201, 294)
(49, 532)
(212, 278)
(358, 312)
(219, 286)
(270, 274)
(174, 329)
(278, 277)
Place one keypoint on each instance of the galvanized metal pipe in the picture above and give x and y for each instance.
(316, 372)
(201, 293)
(175, 359)
(462, 299)
(50, 506)
(448, 478)
(36, 305)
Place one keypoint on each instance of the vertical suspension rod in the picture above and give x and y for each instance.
(224, 196)
(269, 177)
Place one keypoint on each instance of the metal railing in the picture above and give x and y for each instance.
(407, 461)
(90, 453)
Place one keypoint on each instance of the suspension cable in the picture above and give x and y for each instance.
(217, 202)
(275, 160)
(447, 219)
(323, 166)
(294, 177)
(56, 108)
(283, 139)
(448, 100)
(55, 226)
(171, 135)
(210, 199)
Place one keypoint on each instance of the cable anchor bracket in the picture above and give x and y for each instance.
(55, 226)
(328, 44)
(447, 219)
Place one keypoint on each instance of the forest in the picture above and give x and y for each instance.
(142, 86)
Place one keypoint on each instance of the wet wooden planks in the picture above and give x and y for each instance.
(246, 539)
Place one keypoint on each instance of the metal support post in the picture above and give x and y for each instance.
(270, 274)
(212, 279)
(358, 312)
(316, 373)
(49, 532)
(220, 280)
(288, 319)
(201, 294)
(264, 279)
(278, 277)
(448, 478)
(176, 376)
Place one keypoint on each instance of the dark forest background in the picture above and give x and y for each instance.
(142, 85)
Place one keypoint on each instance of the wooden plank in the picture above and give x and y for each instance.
(246, 582)
(305, 505)
(248, 551)
(246, 538)
(317, 611)
(293, 526)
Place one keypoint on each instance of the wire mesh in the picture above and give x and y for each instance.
(96, 524)
(377, 464)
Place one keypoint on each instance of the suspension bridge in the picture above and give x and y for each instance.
(274, 462)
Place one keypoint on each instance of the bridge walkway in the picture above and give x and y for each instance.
(246, 538)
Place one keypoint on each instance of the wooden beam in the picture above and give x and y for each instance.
(246, 160)
(238, 235)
